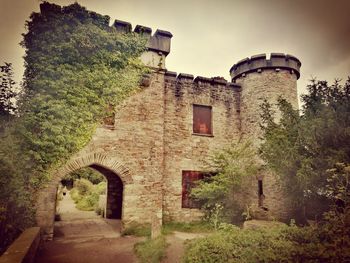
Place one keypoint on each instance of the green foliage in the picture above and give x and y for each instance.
(277, 244)
(83, 186)
(140, 230)
(16, 198)
(301, 149)
(233, 168)
(7, 91)
(151, 250)
(86, 195)
(76, 70)
(87, 173)
(190, 227)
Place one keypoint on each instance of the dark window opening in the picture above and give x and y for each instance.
(261, 193)
(189, 180)
(202, 119)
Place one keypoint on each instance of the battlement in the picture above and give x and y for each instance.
(183, 77)
(158, 42)
(259, 62)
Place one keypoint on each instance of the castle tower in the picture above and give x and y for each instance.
(158, 45)
(261, 78)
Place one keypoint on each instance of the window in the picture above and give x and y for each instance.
(202, 119)
(189, 179)
(261, 193)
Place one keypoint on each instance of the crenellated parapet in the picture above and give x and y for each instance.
(158, 42)
(258, 63)
(158, 45)
(190, 79)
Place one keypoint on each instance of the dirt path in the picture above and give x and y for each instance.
(103, 250)
(84, 237)
(176, 247)
(67, 210)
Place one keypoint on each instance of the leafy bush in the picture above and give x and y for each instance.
(276, 244)
(86, 195)
(234, 167)
(101, 188)
(88, 202)
(151, 250)
(74, 194)
(83, 186)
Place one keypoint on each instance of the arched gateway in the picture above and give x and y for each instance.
(117, 176)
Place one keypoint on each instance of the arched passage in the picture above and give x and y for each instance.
(114, 202)
(110, 166)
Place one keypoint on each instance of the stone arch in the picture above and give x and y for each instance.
(46, 200)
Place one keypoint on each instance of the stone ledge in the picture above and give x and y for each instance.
(24, 248)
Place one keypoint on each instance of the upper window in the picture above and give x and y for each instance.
(202, 119)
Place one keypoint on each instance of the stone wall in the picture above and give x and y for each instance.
(184, 150)
(137, 139)
(152, 140)
(257, 86)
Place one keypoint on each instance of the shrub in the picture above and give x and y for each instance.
(277, 244)
(74, 194)
(86, 195)
(88, 202)
(83, 186)
(100, 188)
(234, 168)
(151, 250)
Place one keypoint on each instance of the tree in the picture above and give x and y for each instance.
(7, 92)
(301, 148)
(232, 168)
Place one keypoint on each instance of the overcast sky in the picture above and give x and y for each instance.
(210, 36)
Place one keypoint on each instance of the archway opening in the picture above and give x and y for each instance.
(114, 200)
(89, 197)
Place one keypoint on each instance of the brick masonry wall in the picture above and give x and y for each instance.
(182, 149)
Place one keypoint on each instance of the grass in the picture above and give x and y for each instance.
(138, 230)
(151, 250)
(191, 227)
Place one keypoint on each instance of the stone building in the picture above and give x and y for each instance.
(155, 150)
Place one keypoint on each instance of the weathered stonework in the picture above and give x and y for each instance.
(152, 140)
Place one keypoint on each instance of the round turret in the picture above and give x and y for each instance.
(266, 79)
(258, 63)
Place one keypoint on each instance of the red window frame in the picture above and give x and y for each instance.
(202, 119)
(189, 179)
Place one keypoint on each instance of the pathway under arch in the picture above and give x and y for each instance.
(113, 169)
